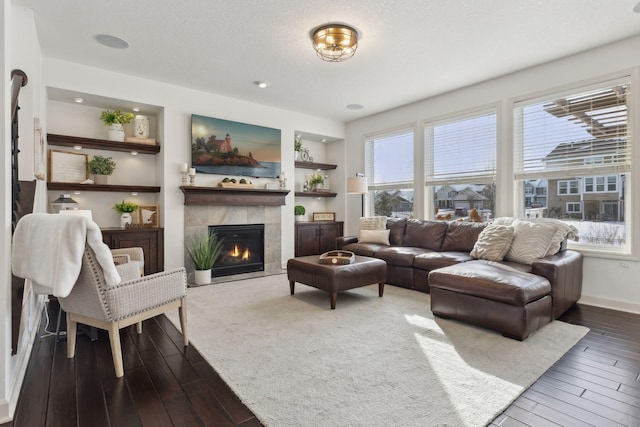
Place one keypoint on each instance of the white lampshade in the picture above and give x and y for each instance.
(357, 185)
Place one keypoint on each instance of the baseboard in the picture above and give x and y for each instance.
(8, 407)
(610, 303)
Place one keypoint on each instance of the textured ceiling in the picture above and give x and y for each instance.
(409, 50)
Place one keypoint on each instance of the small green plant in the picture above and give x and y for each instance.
(316, 179)
(299, 210)
(125, 207)
(205, 250)
(110, 117)
(99, 165)
(297, 144)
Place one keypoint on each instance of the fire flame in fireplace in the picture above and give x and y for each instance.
(235, 252)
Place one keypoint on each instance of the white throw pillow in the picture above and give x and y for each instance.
(373, 223)
(563, 231)
(374, 236)
(493, 242)
(531, 240)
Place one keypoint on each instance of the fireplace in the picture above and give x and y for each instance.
(242, 250)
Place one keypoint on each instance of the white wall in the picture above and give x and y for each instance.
(607, 282)
(178, 104)
(20, 51)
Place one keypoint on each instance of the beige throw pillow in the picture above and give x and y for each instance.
(531, 241)
(373, 223)
(493, 242)
(374, 236)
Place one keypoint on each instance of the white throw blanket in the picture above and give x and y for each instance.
(48, 248)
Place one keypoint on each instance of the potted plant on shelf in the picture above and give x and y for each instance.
(299, 212)
(114, 120)
(316, 181)
(297, 146)
(101, 168)
(125, 208)
(204, 251)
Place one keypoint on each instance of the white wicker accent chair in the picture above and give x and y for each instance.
(134, 299)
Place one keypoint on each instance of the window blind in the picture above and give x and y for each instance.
(586, 132)
(389, 161)
(461, 150)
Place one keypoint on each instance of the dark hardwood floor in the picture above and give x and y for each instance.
(595, 383)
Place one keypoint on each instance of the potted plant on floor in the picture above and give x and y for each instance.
(125, 208)
(101, 168)
(114, 120)
(204, 251)
(299, 212)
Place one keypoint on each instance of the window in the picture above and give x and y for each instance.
(574, 207)
(601, 184)
(460, 164)
(568, 187)
(389, 172)
(579, 141)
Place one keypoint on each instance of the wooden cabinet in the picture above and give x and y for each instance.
(314, 238)
(151, 240)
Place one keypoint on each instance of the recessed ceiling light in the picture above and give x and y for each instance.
(111, 41)
(136, 109)
(261, 84)
(355, 107)
(324, 140)
(79, 100)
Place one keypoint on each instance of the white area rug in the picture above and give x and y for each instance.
(371, 362)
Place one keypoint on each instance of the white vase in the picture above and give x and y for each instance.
(141, 126)
(125, 219)
(115, 132)
(299, 218)
(100, 179)
(297, 156)
(202, 277)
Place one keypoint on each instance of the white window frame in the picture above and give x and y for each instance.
(604, 183)
(631, 250)
(571, 184)
(574, 204)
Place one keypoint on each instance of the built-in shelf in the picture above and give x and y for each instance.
(314, 194)
(313, 165)
(233, 196)
(100, 144)
(65, 186)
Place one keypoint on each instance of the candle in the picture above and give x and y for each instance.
(192, 171)
(184, 168)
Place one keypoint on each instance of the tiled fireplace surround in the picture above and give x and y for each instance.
(197, 220)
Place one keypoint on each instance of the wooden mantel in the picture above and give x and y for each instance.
(232, 196)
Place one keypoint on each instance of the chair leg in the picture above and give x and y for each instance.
(182, 311)
(139, 327)
(116, 350)
(71, 336)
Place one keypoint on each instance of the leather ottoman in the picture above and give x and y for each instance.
(492, 295)
(336, 278)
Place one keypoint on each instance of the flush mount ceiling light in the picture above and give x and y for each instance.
(261, 84)
(111, 41)
(335, 42)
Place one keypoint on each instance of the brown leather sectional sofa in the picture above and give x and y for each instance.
(512, 298)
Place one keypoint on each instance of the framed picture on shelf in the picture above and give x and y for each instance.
(67, 167)
(324, 216)
(148, 216)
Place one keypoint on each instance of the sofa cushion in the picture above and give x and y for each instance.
(374, 236)
(461, 236)
(424, 234)
(401, 256)
(491, 280)
(531, 241)
(363, 249)
(493, 243)
(396, 228)
(432, 260)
